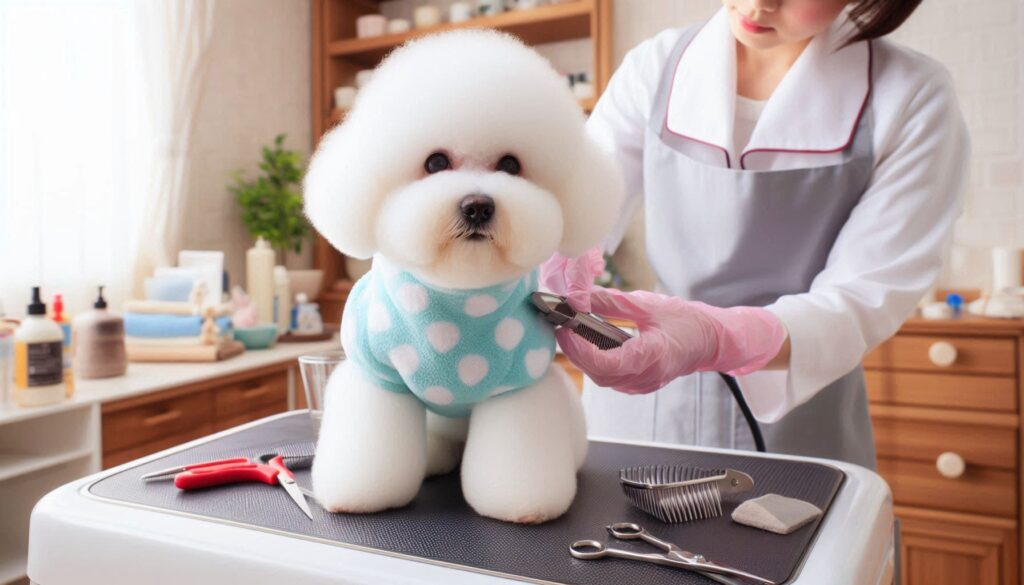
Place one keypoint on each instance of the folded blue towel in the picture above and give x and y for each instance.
(160, 326)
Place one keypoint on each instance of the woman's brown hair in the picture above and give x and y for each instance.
(877, 18)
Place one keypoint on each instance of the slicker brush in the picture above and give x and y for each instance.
(674, 494)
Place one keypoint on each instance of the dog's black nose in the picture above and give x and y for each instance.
(477, 210)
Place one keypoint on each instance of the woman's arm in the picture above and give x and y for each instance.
(886, 256)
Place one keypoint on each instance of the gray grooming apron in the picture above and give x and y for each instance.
(741, 237)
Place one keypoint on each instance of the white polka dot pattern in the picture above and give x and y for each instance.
(451, 349)
(438, 395)
(509, 333)
(412, 298)
(443, 336)
(472, 369)
(480, 305)
(405, 359)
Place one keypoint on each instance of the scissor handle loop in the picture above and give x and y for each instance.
(587, 549)
(626, 530)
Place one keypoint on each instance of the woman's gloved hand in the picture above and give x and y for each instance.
(573, 277)
(677, 338)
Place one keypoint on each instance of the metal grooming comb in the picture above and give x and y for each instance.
(589, 326)
(673, 494)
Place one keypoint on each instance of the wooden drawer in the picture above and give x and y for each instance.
(942, 390)
(980, 490)
(919, 434)
(974, 355)
(154, 420)
(255, 394)
(938, 548)
(112, 458)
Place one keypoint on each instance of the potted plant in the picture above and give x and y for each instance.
(271, 206)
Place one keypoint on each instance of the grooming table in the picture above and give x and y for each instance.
(112, 528)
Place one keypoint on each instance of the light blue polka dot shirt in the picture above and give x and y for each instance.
(451, 348)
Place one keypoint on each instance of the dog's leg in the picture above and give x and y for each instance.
(371, 454)
(520, 459)
(445, 440)
(577, 418)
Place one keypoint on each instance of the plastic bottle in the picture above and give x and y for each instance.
(307, 317)
(259, 272)
(64, 323)
(38, 357)
(282, 300)
(99, 343)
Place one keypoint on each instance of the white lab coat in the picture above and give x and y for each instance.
(890, 249)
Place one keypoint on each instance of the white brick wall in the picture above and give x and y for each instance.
(980, 41)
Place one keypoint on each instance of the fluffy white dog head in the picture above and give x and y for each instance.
(465, 162)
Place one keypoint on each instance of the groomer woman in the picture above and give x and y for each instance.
(800, 178)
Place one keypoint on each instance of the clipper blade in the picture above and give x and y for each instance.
(674, 494)
(557, 311)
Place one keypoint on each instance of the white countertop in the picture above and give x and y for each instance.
(144, 378)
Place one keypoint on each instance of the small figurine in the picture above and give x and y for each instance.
(244, 314)
(210, 333)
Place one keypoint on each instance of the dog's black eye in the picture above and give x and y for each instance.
(437, 162)
(509, 164)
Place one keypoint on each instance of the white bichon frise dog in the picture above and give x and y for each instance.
(461, 168)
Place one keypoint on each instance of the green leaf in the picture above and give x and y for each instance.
(271, 205)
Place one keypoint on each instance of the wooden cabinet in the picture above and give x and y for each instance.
(338, 55)
(952, 549)
(945, 407)
(135, 427)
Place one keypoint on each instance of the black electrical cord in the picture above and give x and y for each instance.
(755, 429)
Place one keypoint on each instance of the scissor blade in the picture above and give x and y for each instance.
(296, 494)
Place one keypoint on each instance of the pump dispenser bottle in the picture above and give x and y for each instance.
(99, 342)
(38, 357)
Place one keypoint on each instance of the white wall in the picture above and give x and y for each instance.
(258, 85)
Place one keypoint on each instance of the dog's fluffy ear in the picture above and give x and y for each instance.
(342, 192)
(591, 199)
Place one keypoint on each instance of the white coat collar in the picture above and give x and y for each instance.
(815, 109)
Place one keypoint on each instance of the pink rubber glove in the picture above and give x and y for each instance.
(573, 277)
(677, 338)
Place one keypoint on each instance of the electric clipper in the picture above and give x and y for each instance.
(556, 310)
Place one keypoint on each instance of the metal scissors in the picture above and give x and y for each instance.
(269, 469)
(673, 557)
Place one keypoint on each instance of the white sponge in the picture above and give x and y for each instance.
(775, 513)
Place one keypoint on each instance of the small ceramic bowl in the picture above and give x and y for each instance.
(257, 337)
(370, 25)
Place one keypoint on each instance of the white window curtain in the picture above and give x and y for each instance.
(96, 99)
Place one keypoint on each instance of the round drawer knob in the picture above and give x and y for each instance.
(950, 465)
(942, 354)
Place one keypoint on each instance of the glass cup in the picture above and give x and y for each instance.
(316, 371)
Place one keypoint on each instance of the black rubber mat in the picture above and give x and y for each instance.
(438, 527)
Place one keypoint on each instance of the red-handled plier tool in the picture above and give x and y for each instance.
(271, 470)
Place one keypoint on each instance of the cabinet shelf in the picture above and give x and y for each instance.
(15, 465)
(545, 24)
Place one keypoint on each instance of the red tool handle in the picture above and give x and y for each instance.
(217, 463)
(278, 464)
(207, 476)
